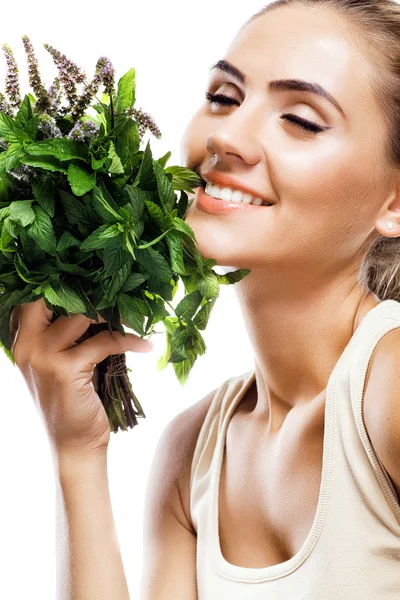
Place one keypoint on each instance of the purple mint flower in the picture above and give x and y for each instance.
(48, 127)
(54, 94)
(144, 121)
(84, 131)
(4, 106)
(12, 79)
(107, 73)
(70, 74)
(104, 74)
(42, 103)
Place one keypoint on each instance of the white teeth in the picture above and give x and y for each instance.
(230, 195)
(226, 194)
(247, 199)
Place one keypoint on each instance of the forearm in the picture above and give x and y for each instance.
(89, 562)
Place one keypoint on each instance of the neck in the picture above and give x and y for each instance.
(297, 343)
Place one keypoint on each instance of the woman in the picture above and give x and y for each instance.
(303, 499)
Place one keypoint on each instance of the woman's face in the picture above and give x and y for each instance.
(327, 187)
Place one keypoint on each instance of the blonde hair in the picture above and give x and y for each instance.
(378, 22)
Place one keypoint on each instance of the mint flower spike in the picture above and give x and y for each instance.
(4, 106)
(104, 74)
(12, 78)
(107, 72)
(42, 102)
(144, 121)
(70, 74)
(54, 94)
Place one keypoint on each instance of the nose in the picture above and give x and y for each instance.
(236, 140)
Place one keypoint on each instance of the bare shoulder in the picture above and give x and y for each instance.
(381, 403)
(183, 432)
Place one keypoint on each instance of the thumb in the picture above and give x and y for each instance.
(96, 348)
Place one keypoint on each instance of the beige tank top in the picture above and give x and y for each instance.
(353, 549)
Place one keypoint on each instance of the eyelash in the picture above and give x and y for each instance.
(308, 126)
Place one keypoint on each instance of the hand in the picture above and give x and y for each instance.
(59, 373)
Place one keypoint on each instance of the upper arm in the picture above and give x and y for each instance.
(381, 403)
(169, 541)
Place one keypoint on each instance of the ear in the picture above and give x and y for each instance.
(388, 221)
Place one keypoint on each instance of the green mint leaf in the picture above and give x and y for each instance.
(164, 159)
(183, 205)
(80, 180)
(4, 212)
(182, 369)
(133, 281)
(155, 212)
(126, 91)
(183, 178)
(202, 317)
(130, 311)
(49, 163)
(21, 212)
(155, 264)
(145, 178)
(60, 148)
(116, 164)
(105, 206)
(41, 231)
(97, 163)
(209, 285)
(12, 227)
(32, 127)
(180, 225)
(178, 345)
(233, 276)
(6, 184)
(69, 268)
(11, 131)
(188, 306)
(67, 240)
(44, 191)
(137, 199)
(117, 280)
(102, 238)
(24, 113)
(25, 274)
(115, 257)
(127, 144)
(197, 342)
(165, 188)
(76, 212)
(57, 292)
(176, 252)
(10, 159)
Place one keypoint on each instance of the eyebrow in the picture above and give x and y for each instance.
(298, 85)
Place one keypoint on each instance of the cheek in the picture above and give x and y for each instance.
(193, 142)
(327, 186)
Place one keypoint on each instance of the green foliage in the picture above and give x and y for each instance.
(96, 225)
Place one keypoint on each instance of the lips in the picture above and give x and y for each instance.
(228, 181)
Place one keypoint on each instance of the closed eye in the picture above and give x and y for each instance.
(303, 124)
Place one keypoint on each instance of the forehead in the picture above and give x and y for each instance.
(316, 45)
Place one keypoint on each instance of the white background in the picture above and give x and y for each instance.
(171, 45)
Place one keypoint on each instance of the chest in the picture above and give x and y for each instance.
(269, 490)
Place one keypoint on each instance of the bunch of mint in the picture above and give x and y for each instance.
(92, 223)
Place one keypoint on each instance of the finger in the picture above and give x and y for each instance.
(66, 331)
(34, 319)
(95, 349)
